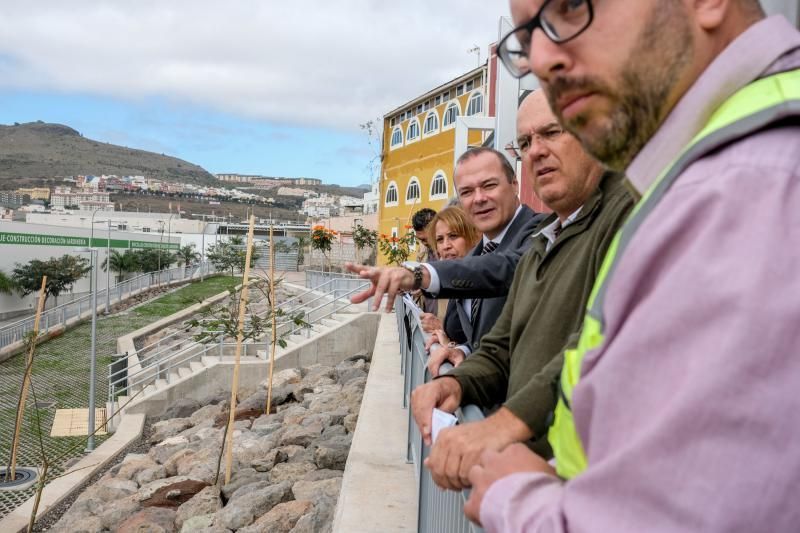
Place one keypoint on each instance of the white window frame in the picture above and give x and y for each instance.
(434, 130)
(396, 202)
(392, 145)
(452, 125)
(411, 182)
(439, 174)
(472, 96)
(409, 139)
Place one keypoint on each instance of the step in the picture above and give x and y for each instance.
(122, 401)
(184, 371)
(173, 376)
(196, 366)
(209, 360)
(161, 384)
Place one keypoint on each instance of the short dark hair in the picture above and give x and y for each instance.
(508, 170)
(422, 218)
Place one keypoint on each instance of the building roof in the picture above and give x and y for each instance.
(455, 81)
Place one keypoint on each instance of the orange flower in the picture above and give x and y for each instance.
(408, 227)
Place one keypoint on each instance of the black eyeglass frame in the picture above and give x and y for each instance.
(530, 26)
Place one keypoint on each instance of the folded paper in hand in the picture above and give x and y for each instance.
(441, 420)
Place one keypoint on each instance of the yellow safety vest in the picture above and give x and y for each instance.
(753, 107)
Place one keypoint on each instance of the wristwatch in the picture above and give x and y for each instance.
(416, 269)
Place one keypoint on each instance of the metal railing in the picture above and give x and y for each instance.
(317, 278)
(128, 374)
(72, 311)
(439, 511)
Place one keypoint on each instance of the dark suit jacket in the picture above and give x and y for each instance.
(452, 324)
(488, 277)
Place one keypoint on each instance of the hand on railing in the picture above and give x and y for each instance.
(496, 465)
(441, 350)
(444, 394)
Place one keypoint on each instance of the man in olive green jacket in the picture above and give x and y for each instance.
(519, 359)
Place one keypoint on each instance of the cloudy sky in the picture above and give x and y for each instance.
(261, 87)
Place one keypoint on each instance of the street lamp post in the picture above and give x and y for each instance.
(93, 346)
(108, 269)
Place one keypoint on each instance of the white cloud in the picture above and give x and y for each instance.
(312, 63)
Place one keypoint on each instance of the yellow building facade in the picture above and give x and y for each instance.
(36, 193)
(418, 150)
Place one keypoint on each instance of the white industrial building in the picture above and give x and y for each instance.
(21, 242)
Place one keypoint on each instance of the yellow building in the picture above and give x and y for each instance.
(419, 146)
(36, 193)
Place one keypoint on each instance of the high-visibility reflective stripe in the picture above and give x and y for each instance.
(753, 107)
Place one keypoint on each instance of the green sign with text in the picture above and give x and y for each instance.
(34, 239)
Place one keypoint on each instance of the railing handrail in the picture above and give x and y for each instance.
(438, 510)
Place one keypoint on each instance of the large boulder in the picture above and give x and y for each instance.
(332, 452)
(151, 520)
(311, 490)
(290, 471)
(206, 502)
(116, 512)
(162, 451)
(302, 435)
(242, 511)
(174, 495)
(281, 519)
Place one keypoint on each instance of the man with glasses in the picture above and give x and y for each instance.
(673, 403)
(518, 359)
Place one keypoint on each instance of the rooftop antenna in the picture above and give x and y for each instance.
(477, 51)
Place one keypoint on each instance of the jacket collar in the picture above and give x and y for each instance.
(587, 214)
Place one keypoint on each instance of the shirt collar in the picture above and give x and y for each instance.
(502, 234)
(743, 61)
(549, 231)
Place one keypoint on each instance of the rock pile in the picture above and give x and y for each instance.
(288, 465)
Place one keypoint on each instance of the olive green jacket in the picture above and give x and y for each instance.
(519, 359)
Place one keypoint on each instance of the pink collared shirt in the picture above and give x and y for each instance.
(690, 410)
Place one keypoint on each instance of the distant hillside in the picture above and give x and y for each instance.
(40, 150)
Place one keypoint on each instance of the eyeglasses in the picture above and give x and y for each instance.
(524, 143)
(560, 20)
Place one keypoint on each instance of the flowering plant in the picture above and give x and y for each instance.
(322, 238)
(364, 237)
(397, 249)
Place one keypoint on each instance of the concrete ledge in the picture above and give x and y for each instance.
(379, 489)
(130, 429)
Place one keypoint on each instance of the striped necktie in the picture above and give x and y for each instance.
(488, 247)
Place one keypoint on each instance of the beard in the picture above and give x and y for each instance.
(640, 97)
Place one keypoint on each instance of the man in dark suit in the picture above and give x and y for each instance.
(487, 186)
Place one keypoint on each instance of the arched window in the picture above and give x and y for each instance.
(450, 115)
(439, 186)
(475, 106)
(391, 195)
(431, 123)
(412, 133)
(412, 191)
(397, 137)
